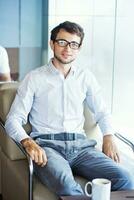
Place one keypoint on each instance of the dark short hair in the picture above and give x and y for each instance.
(70, 27)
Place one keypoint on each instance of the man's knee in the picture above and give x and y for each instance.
(123, 181)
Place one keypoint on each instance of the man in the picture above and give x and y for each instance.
(4, 65)
(53, 97)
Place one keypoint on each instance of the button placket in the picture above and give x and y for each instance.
(65, 103)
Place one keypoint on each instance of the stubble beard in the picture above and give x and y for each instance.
(62, 61)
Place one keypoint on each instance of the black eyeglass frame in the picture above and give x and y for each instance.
(68, 43)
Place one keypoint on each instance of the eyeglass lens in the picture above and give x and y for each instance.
(64, 43)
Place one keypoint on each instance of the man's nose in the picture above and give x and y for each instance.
(67, 46)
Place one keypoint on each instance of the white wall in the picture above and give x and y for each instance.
(123, 99)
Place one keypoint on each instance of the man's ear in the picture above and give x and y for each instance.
(52, 44)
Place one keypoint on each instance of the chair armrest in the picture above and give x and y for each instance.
(125, 140)
(30, 168)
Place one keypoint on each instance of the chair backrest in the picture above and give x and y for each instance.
(7, 95)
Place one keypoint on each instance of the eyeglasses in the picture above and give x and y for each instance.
(64, 43)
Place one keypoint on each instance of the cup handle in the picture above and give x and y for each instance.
(86, 186)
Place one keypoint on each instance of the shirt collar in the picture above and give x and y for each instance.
(53, 69)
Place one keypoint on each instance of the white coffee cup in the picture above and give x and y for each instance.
(100, 188)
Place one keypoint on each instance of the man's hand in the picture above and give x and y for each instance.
(37, 154)
(110, 148)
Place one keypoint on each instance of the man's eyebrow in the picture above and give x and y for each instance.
(67, 40)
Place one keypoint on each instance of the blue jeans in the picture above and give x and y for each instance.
(79, 157)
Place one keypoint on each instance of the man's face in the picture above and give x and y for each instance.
(63, 52)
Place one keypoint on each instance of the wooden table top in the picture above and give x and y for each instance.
(122, 195)
(118, 195)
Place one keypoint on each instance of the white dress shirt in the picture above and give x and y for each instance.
(54, 104)
(4, 62)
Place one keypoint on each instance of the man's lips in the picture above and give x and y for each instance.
(66, 55)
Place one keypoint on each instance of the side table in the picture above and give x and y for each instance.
(118, 195)
(123, 195)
